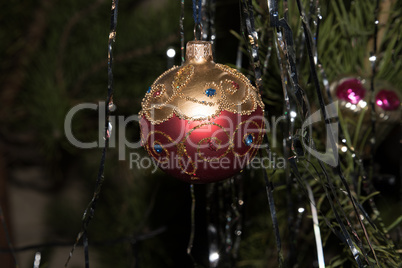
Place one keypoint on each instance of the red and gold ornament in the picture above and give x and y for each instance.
(202, 122)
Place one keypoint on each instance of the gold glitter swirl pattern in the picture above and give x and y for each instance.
(209, 103)
(185, 138)
(182, 92)
(231, 87)
(148, 102)
(214, 139)
(255, 141)
(182, 151)
(151, 151)
(157, 91)
(182, 77)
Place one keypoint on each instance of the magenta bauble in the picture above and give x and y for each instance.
(387, 100)
(350, 90)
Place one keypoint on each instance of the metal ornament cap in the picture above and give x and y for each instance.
(199, 52)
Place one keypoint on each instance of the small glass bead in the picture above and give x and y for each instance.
(210, 92)
(248, 140)
(235, 85)
(158, 148)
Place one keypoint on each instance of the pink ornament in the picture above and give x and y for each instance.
(351, 90)
(387, 100)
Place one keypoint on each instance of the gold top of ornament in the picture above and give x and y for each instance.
(199, 52)
(200, 89)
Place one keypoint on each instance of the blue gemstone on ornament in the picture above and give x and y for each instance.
(210, 92)
(248, 140)
(149, 90)
(158, 148)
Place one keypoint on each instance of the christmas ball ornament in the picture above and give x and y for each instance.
(351, 93)
(202, 121)
(387, 100)
(355, 103)
(387, 104)
(350, 90)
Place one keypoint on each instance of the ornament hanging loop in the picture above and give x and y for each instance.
(197, 18)
(198, 26)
